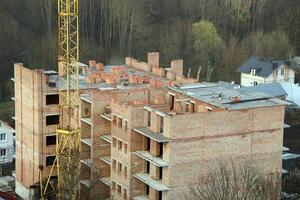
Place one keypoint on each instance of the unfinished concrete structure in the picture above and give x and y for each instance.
(157, 149)
(37, 114)
(147, 132)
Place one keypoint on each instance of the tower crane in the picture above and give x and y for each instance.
(68, 144)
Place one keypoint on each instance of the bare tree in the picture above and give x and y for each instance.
(236, 182)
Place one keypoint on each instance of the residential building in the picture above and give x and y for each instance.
(7, 144)
(155, 146)
(258, 70)
(146, 132)
(37, 113)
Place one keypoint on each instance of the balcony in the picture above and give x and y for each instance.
(87, 141)
(152, 159)
(87, 120)
(87, 162)
(86, 182)
(105, 180)
(158, 137)
(156, 184)
(86, 98)
(13, 98)
(106, 116)
(106, 159)
(106, 138)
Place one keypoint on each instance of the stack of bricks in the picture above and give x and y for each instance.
(158, 71)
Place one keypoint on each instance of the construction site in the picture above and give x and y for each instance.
(146, 132)
(134, 130)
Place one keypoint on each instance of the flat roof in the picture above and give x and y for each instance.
(104, 86)
(222, 96)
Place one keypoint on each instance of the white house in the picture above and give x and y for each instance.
(257, 70)
(7, 143)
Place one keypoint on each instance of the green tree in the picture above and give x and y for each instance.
(207, 44)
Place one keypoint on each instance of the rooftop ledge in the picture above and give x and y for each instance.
(149, 157)
(158, 137)
(87, 141)
(106, 138)
(87, 120)
(156, 184)
(106, 116)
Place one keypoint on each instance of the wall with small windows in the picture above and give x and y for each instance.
(7, 143)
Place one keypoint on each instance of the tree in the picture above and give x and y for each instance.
(236, 182)
(207, 44)
(274, 44)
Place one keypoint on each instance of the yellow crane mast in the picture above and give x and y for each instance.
(68, 133)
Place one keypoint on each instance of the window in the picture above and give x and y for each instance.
(282, 72)
(161, 125)
(125, 125)
(119, 167)
(276, 72)
(125, 147)
(160, 173)
(149, 119)
(113, 185)
(160, 195)
(192, 107)
(52, 99)
(50, 160)
(114, 142)
(114, 164)
(125, 171)
(120, 120)
(147, 167)
(171, 101)
(119, 145)
(114, 120)
(2, 152)
(50, 140)
(253, 72)
(52, 120)
(119, 189)
(187, 107)
(161, 149)
(3, 136)
(125, 193)
(147, 189)
(255, 83)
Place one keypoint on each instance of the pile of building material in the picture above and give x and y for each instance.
(7, 183)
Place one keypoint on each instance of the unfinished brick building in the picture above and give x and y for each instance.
(147, 132)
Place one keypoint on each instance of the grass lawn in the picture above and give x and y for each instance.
(7, 111)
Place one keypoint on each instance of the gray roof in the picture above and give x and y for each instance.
(272, 89)
(222, 96)
(264, 67)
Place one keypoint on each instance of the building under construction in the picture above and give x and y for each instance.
(146, 132)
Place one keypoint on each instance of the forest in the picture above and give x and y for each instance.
(218, 35)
